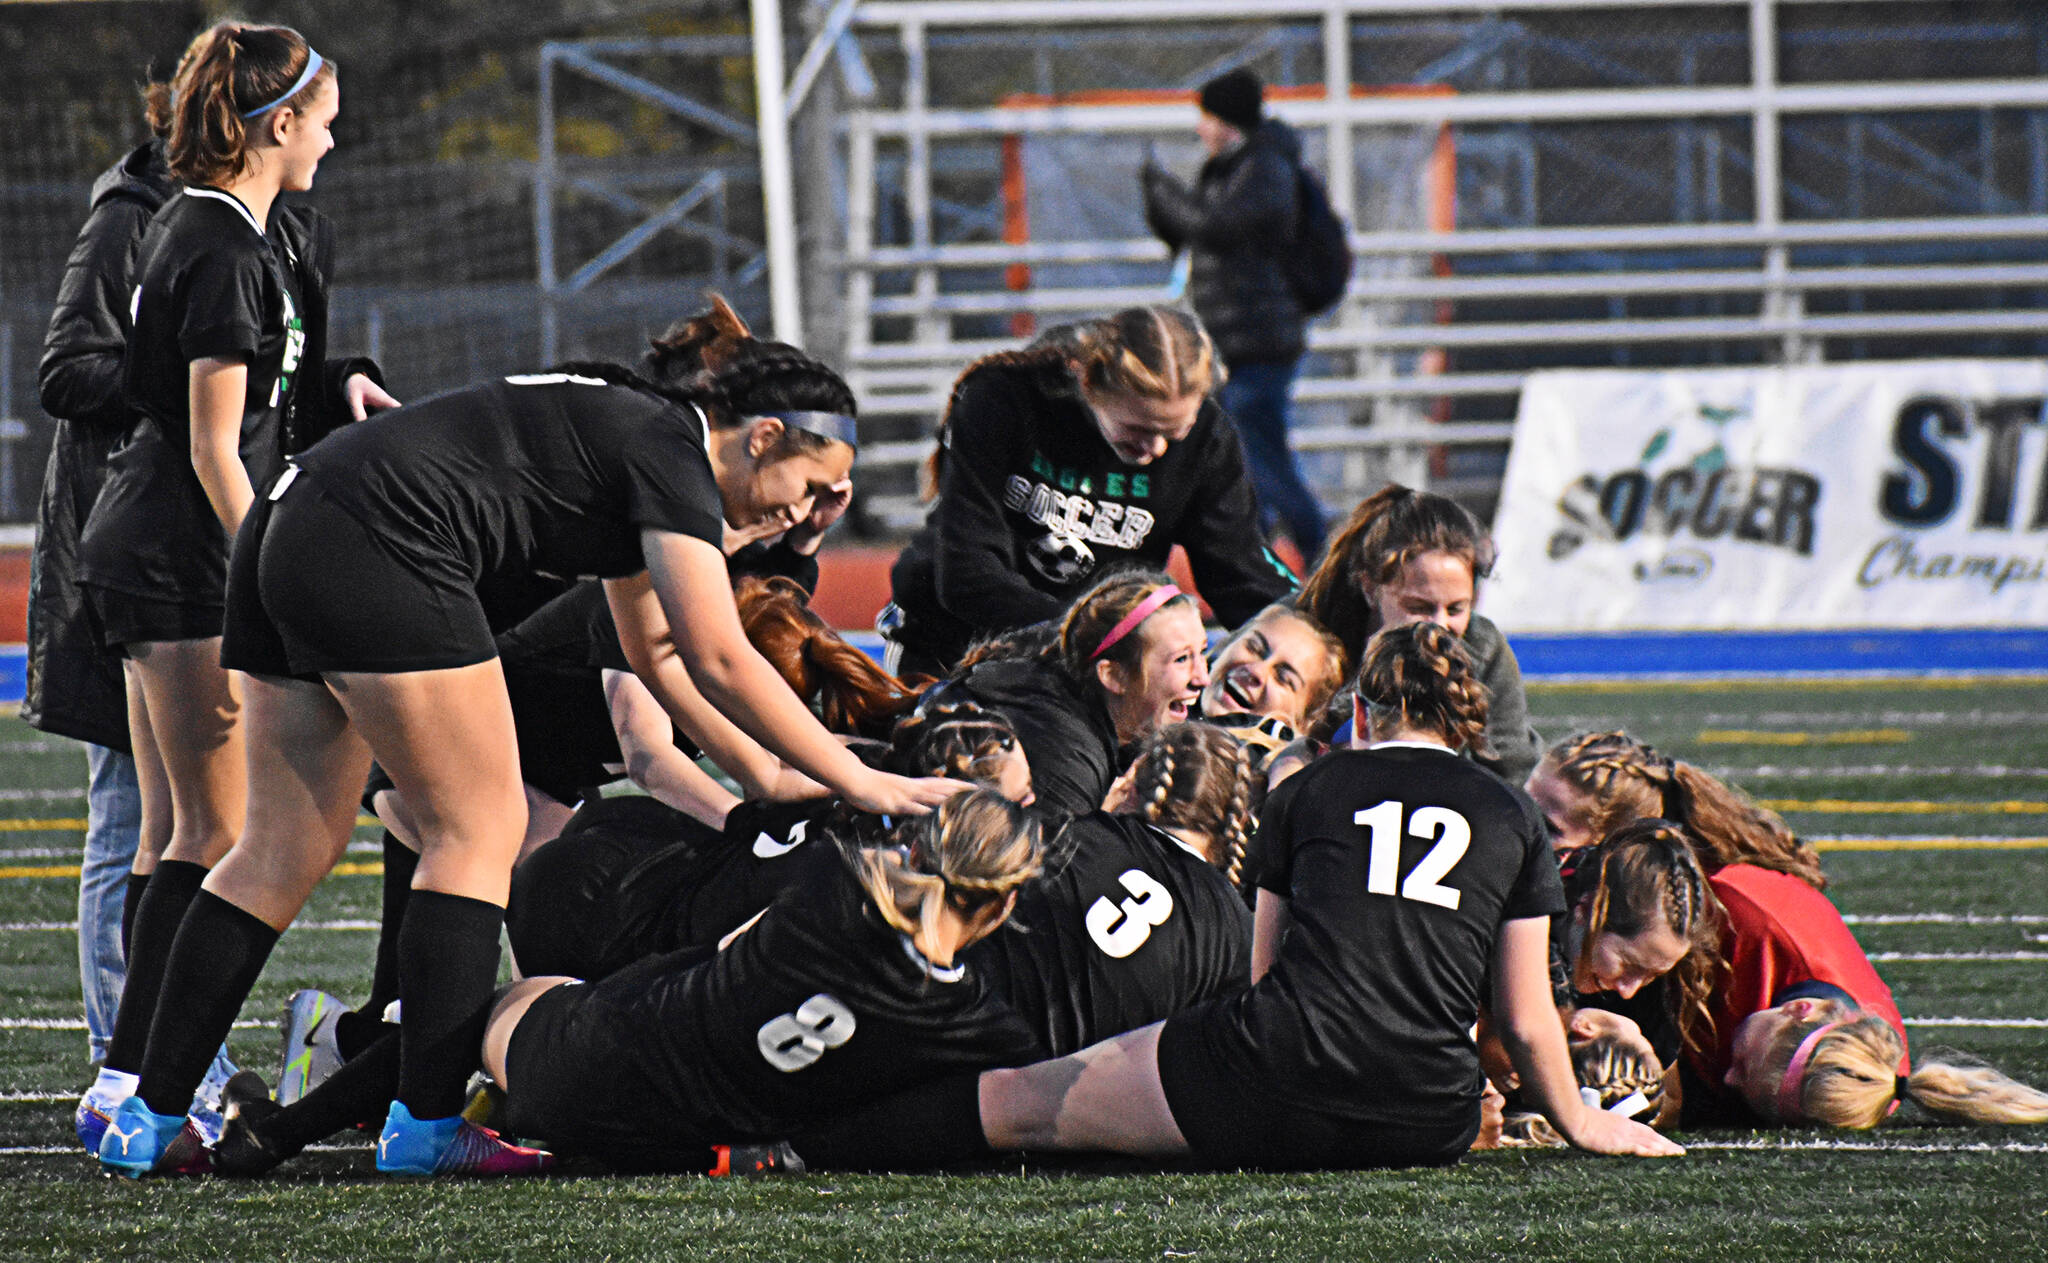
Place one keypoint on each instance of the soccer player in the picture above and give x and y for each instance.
(1405, 556)
(1397, 882)
(353, 607)
(230, 323)
(1097, 448)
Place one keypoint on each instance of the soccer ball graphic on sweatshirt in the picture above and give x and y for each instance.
(1061, 559)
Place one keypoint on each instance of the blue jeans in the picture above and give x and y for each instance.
(113, 827)
(1256, 397)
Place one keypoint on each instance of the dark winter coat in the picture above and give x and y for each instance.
(1235, 224)
(74, 683)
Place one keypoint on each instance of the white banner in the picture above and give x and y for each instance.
(1851, 495)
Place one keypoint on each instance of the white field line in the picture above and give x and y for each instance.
(51, 1151)
(1821, 721)
(1771, 1144)
(75, 853)
(1929, 958)
(42, 747)
(1941, 918)
(1987, 1023)
(43, 795)
(78, 1024)
(1983, 771)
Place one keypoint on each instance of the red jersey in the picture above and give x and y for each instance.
(1782, 931)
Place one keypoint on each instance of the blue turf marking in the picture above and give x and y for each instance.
(1685, 655)
(1748, 655)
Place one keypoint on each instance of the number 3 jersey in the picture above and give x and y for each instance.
(1399, 864)
(1131, 928)
(816, 1009)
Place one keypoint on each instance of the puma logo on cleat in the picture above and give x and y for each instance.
(384, 1144)
(124, 1136)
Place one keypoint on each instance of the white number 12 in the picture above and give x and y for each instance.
(1424, 882)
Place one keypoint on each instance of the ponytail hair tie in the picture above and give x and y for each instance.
(1139, 613)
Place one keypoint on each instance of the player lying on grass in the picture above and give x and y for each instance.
(846, 989)
(1396, 882)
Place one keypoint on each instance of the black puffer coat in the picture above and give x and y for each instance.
(1235, 224)
(74, 682)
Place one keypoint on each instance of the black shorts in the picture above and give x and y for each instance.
(125, 619)
(1231, 1124)
(312, 589)
(572, 910)
(567, 746)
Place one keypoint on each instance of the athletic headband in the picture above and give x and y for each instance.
(313, 63)
(831, 425)
(1789, 1088)
(1139, 613)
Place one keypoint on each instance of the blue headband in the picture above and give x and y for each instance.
(313, 63)
(831, 425)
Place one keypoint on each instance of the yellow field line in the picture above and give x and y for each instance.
(1932, 844)
(1823, 684)
(76, 824)
(372, 869)
(1906, 808)
(1847, 737)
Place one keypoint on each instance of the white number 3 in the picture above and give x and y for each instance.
(795, 1040)
(1424, 882)
(1122, 928)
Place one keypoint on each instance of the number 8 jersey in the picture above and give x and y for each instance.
(1399, 864)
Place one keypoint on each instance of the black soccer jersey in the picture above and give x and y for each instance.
(817, 1009)
(211, 286)
(1133, 927)
(1400, 864)
(552, 472)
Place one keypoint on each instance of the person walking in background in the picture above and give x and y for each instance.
(1237, 224)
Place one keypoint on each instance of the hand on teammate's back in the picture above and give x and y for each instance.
(365, 396)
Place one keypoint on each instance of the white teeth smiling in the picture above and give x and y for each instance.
(1235, 692)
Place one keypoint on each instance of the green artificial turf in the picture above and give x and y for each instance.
(1902, 1192)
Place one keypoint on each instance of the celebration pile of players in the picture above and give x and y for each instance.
(1063, 881)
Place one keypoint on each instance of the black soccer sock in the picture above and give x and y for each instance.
(158, 911)
(218, 954)
(360, 1091)
(448, 969)
(131, 900)
(933, 1125)
(400, 863)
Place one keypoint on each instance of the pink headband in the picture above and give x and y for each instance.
(1139, 613)
(1790, 1087)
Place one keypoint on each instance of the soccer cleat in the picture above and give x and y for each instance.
(775, 1159)
(98, 1106)
(241, 1151)
(310, 1052)
(139, 1142)
(450, 1146)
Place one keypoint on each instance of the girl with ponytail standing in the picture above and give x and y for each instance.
(225, 374)
(354, 609)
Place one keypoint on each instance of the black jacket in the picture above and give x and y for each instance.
(1034, 507)
(1235, 224)
(1065, 729)
(74, 683)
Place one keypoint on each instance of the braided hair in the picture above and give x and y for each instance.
(1198, 777)
(1157, 353)
(713, 362)
(1418, 675)
(1645, 875)
(963, 740)
(973, 850)
(1618, 779)
(232, 68)
(1388, 529)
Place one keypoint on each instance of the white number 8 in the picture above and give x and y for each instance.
(795, 1040)
(1122, 928)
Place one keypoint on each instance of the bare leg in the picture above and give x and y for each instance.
(512, 1006)
(194, 710)
(150, 778)
(1105, 1097)
(307, 767)
(545, 819)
